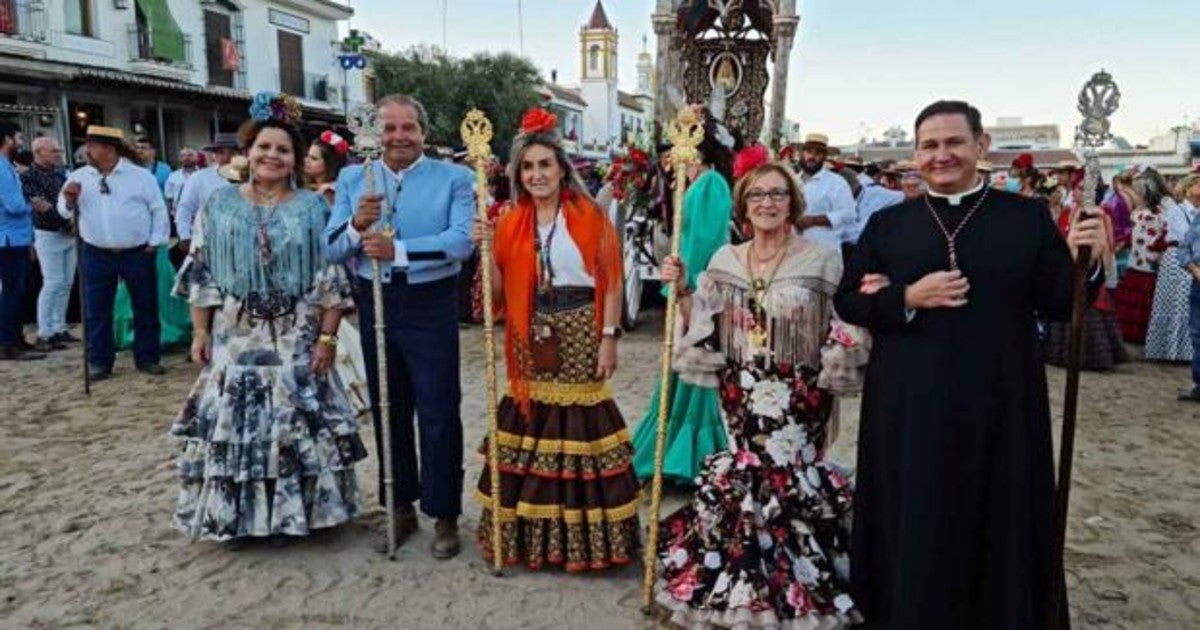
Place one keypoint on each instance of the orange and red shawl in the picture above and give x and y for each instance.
(599, 247)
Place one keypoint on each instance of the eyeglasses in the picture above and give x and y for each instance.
(104, 189)
(777, 195)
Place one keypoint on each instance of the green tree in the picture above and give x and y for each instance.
(502, 85)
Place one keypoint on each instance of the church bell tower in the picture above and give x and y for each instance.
(598, 81)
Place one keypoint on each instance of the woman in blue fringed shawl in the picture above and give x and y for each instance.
(268, 437)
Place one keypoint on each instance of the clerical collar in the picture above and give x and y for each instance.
(955, 199)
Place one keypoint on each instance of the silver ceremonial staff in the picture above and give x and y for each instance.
(364, 123)
(1097, 101)
(476, 131)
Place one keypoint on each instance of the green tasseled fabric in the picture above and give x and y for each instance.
(231, 241)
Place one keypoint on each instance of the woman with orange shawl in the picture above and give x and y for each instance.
(568, 494)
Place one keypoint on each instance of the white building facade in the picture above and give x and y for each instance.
(597, 118)
(174, 70)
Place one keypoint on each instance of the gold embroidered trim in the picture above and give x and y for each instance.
(568, 393)
(569, 516)
(563, 447)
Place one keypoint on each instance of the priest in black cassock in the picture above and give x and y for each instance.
(953, 515)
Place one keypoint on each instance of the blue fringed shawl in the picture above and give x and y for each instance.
(231, 243)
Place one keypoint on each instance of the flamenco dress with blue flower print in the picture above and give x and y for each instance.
(267, 447)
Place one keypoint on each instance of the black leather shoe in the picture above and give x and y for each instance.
(151, 368)
(65, 337)
(99, 372)
(48, 345)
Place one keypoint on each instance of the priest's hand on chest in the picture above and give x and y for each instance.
(939, 289)
(1089, 231)
(379, 246)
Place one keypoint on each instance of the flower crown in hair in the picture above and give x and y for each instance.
(538, 120)
(278, 107)
(339, 144)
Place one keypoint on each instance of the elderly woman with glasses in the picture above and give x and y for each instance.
(764, 541)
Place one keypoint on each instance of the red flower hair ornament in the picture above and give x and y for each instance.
(749, 159)
(338, 143)
(538, 120)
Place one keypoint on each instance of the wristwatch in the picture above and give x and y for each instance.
(612, 332)
(327, 339)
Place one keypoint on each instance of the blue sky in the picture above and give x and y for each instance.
(864, 66)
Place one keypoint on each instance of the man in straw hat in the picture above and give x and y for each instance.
(122, 220)
(200, 186)
(829, 211)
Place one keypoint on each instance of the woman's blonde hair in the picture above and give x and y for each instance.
(742, 189)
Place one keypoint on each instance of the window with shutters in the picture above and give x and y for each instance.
(218, 30)
(291, 63)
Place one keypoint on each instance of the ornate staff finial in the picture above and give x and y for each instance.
(476, 131)
(685, 133)
(1098, 100)
(363, 121)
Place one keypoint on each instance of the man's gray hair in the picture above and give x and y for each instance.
(48, 142)
(404, 99)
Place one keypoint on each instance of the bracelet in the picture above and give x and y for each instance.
(327, 339)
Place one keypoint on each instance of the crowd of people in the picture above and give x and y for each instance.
(801, 279)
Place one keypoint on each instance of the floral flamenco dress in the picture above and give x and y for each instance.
(764, 542)
(268, 447)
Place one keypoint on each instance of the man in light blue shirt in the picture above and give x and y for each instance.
(16, 237)
(430, 206)
(202, 184)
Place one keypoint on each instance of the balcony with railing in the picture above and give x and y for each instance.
(167, 55)
(23, 27)
(308, 86)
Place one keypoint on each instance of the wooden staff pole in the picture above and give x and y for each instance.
(476, 131)
(685, 134)
(1097, 101)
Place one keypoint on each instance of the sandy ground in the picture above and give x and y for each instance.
(87, 487)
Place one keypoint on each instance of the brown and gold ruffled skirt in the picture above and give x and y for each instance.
(567, 491)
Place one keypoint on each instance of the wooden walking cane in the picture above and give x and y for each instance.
(476, 131)
(1097, 101)
(87, 375)
(685, 134)
(365, 125)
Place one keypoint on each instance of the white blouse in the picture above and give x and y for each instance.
(565, 259)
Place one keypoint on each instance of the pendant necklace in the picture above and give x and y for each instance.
(951, 246)
(545, 269)
(265, 253)
(757, 335)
